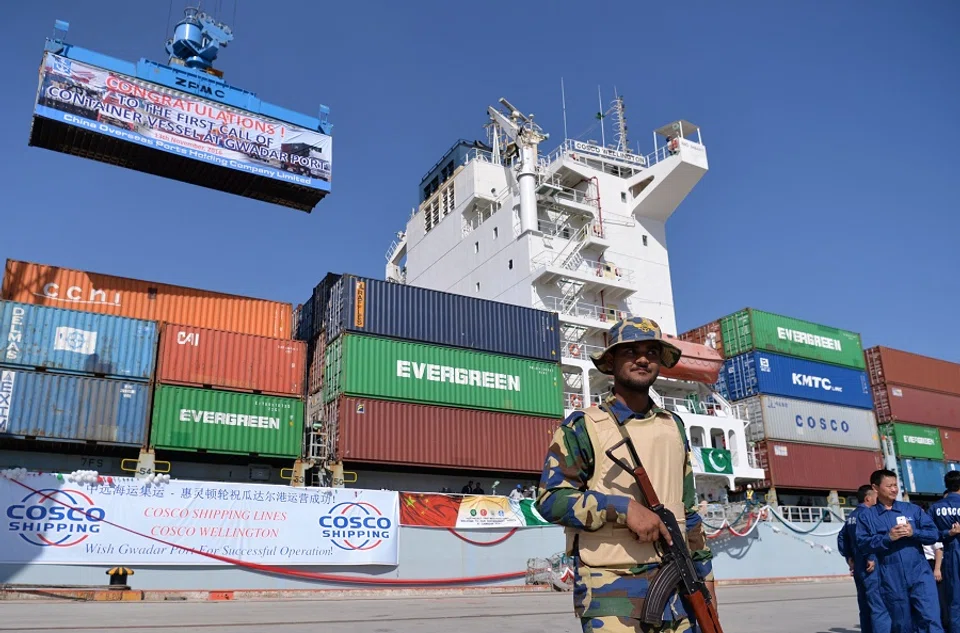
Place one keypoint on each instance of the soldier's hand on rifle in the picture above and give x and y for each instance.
(712, 588)
(646, 524)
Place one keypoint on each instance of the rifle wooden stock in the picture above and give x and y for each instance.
(677, 572)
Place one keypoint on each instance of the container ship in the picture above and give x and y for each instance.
(205, 435)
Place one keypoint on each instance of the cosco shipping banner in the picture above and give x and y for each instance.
(122, 521)
(139, 112)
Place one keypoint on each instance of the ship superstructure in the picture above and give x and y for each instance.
(580, 231)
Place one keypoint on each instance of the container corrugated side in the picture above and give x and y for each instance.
(897, 403)
(415, 372)
(200, 357)
(77, 342)
(378, 431)
(950, 441)
(756, 373)
(315, 317)
(73, 408)
(190, 419)
(814, 467)
(754, 329)
(922, 476)
(913, 370)
(803, 421)
(316, 359)
(915, 440)
(105, 294)
(710, 335)
(410, 313)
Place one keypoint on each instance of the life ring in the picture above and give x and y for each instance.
(574, 350)
(576, 401)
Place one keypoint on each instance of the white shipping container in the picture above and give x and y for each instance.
(792, 420)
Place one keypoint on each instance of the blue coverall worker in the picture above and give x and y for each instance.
(864, 570)
(946, 517)
(895, 531)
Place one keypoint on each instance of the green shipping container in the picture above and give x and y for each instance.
(913, 440)
(226, 422)
(359, 365)
(752, 329)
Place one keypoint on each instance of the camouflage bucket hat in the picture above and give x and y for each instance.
(634, 330)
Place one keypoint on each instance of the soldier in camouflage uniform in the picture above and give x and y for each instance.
(609, 533)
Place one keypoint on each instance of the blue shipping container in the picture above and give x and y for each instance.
(75, 341)
(312, 316)
(756, 373)
(64, 407)
(922, 476)
(399, 311)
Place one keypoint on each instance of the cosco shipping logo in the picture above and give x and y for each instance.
(355, 526)
(42, 519)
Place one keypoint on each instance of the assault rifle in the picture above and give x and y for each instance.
(677, 572)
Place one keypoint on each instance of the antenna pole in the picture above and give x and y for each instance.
(563, 99)
(603, 138)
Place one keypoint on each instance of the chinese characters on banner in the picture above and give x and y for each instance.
(53, 521)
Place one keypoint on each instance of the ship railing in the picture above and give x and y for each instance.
(806, 514)
(578, 350)
(602, 270)
(579, 309)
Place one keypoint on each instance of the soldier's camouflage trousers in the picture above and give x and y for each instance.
(615, 624)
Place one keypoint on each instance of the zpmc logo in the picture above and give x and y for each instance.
(42, 519)
(355, 526)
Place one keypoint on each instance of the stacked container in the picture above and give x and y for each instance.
(917, 403)
(74, 376)
(227, 376)
(412, 376)
(805, 393)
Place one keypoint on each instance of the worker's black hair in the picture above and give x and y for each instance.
(863, 491)
(879, 475)
(952, 481)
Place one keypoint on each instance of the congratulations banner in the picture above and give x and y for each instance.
(47, 520)
(147, 114)
(469, 512)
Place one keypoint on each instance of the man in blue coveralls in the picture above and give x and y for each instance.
(863, 568)
(946, 516)
(895, 531)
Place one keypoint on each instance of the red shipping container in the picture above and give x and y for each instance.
(894, 367)
(698, 363)
(709, 335)
(105, 294)
(199, 357)
(378, 431)
(814, 467)
(897, 403)
(950, 439)
(316, 351)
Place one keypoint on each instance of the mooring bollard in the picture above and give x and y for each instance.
(118, 576)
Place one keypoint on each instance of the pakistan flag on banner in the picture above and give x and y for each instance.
(713, 461)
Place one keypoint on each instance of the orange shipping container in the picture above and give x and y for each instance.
(198, 357)
(950, 439)
(105, 294)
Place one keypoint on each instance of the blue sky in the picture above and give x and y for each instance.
(831, 127)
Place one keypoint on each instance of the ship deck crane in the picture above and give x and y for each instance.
(525, 137)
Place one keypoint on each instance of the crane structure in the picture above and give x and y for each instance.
(180, 120)
(197, 39)
(525, 137)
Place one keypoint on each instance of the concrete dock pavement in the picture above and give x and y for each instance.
(827, 607)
